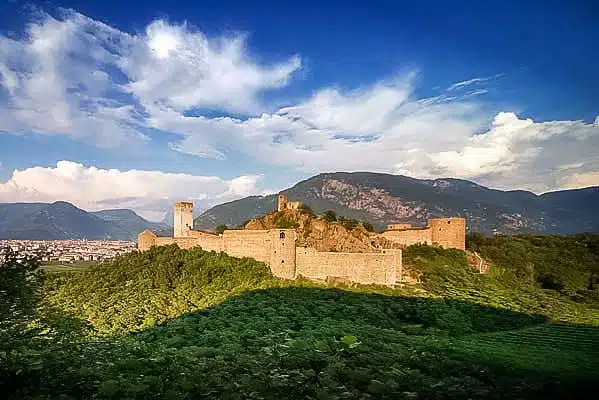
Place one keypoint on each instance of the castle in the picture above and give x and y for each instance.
(278, 249)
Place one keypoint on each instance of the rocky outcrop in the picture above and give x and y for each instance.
(315, 232)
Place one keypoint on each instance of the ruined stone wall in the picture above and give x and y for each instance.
(184, 242)
(246, 243)
(449, 232)
(409, 236)
(145, 240)
(293, 205)
(399, 226)
(208, 241)
(365, 268)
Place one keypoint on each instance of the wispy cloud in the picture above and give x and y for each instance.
(473, 81)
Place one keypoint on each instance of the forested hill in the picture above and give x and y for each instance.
(382, 199)
(185, 324)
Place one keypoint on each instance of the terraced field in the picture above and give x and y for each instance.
(551, 348)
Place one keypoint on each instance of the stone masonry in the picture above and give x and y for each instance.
(277, 248)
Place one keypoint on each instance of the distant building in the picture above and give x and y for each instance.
(285, 204)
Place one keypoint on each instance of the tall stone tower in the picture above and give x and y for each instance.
(449, 232)
(282, 257)
(183, 218)
(282, 202)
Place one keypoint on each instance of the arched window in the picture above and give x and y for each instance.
(282, 235)
(282, 261)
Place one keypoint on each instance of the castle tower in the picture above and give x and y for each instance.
(282, 257)
(183, 218)
(449, 232)
(282, 202)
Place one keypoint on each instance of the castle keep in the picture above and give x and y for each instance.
(279, 250)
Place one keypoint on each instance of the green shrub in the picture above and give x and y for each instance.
(368, 226)
(283, 222)
(330, 216)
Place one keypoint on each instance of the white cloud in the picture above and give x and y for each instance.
(180, 68)
(148, 192)
(80, 77)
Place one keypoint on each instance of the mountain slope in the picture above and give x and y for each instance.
(62, 220)
(129, 221)
(384, 198)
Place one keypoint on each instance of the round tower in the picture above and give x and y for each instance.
(183, 218)
(449, 232)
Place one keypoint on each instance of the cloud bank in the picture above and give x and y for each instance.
(72, 75)
(150, 193)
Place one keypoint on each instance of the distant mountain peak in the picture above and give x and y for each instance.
(63, 220)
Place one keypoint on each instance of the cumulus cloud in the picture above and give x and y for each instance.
(381, 128)
(77, 76)
(148, 192)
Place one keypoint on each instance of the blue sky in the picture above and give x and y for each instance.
(139, 104)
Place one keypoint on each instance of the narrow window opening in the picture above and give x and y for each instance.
(282, 235)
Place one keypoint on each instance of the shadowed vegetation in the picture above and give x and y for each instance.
(171, 323)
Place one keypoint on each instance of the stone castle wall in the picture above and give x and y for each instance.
(367, 268)
(399, 226)
(409, 236)
(446, 232)
(276, 248)
(449, 232)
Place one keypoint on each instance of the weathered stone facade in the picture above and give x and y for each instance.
(277, 248)
(447, 232)
(285, 204)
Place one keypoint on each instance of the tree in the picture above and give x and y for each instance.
(368, 226)
(306, 209)
(330, 216)
(221, 228)
(20, 285)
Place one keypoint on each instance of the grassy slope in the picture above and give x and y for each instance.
(190, 324)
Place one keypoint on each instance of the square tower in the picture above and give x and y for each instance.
(282, 202)
(183, 216)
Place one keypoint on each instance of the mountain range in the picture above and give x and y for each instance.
(62, 220)
(380, 199)
(383, 199)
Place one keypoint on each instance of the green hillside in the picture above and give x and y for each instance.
(171, 323)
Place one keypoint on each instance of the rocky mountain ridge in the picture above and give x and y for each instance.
(382, 199)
